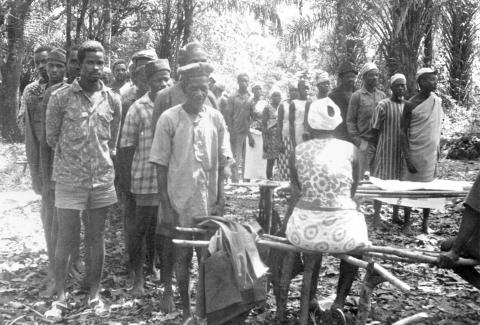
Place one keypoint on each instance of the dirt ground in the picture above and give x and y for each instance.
(439, 293)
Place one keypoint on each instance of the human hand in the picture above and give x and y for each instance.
(37, 185)
(447, 259)
(169, 217)
(219, 208)
(363, 145)
(36, 89)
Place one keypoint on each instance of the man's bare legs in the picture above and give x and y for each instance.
(166, 273)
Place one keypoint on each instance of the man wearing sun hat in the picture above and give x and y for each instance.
(360, 111)
(137, 140)
(190, 168)
(421, 126)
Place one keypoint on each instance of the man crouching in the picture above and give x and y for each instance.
(191, 149)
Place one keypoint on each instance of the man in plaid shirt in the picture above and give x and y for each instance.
(137, 138)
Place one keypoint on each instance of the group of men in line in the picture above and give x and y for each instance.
(170, 143)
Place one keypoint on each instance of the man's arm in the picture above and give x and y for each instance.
(352, 116)
(376, 123)
(225, 159)
(355, 173)
(404, 144)
(32, 151)
(53, 121)
(115, 123)
(128, 145)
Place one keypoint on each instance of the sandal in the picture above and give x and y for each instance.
(55, 313)
(98, 307)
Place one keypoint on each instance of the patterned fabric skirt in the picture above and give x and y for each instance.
(327, 231)
(281, 171)
(272, 144)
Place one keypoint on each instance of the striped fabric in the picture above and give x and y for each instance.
(386, 119)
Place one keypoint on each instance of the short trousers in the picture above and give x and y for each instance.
(80, 198)
(148, 199)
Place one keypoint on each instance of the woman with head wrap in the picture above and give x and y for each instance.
(324, 179)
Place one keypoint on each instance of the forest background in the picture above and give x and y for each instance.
(274, 41)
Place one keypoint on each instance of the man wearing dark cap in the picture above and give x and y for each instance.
(30, 113)
(421, 126)
(341, 96)
(190, 149)
(171, 96)
(119, 70)
(129, 94)
(137, 140)
(56, 67)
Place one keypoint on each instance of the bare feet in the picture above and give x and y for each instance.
(407, 230)
(137, 290)
(154, 274)
(50, 290)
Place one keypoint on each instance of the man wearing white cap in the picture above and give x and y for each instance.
(360, 111)
(421, 127)
(386, 120)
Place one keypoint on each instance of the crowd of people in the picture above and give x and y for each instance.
(164, 148)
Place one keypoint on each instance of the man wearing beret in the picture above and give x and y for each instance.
(119, 70)
(137, 139)
(190, 149)
(341, 96)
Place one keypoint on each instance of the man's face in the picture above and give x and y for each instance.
(399, 88)
(323, 88)
(257, 91)
(91, 69)
(371, 78)
(40, 61)
(275, 99)
(303, 89)
(196, 91)
(140, 80)
(159, 81)
(243, 83)
(55, 71)
(73, 65)
(120, 72)
(428, 82)
(348, 79)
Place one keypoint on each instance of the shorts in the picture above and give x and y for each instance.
(147, 199)
(80, 198)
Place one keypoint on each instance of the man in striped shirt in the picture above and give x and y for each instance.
(386, 130)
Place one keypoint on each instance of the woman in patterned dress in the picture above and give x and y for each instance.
(272, 144)
(324, 180)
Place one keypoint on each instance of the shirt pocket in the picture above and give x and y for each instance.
(103, 126)
(75, 129)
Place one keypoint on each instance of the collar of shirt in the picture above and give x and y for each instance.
(365, 91)
(77, 88)
(247, 95)
(145, 100)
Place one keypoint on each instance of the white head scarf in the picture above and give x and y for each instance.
(397, 76)
(369, 66)
(318, 116)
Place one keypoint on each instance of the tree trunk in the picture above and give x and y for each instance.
(188, 20)
(68, 28)
(80, 19)
(428, 42)
(107, 29)
(11, 69)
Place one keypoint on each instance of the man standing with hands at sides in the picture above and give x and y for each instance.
(421, 127)
(360, 111)
(240, 114)
(191, 150)
(73, 67)
(56, 67)
(30, 115)
(82, 125)
(347, 73)
(137, 138)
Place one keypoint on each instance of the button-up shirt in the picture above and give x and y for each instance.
(360, 111)
(239, 113)
(83, 129)
(193, 147)
(137, 132)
